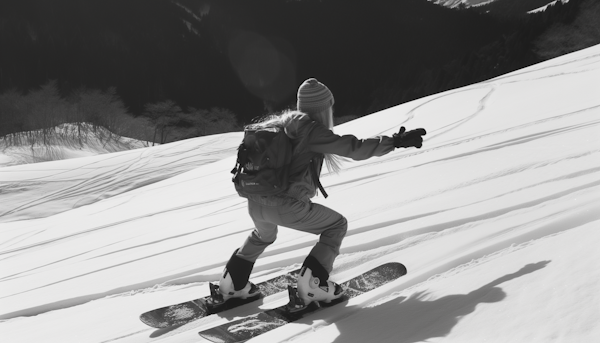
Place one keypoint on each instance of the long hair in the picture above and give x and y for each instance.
(273, 120)
(324, 117)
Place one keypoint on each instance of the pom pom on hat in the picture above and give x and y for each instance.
(313, 96)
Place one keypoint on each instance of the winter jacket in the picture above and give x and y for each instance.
(311, 140)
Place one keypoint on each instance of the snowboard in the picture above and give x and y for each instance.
(251, 326)
(185, 312)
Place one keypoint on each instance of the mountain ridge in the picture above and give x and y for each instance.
(156, 50)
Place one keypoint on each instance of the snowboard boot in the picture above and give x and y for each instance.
(234, 281)
(314, 285)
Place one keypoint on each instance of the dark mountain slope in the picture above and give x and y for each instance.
(249, 56)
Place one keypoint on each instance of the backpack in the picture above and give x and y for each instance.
(263, 162)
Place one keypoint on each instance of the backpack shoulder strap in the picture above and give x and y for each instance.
(313, 172)
(300, 157)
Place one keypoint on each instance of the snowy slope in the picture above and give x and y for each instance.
(62, 142)
(543, 8)
(456, 3)
(43, 189)
(496, 218)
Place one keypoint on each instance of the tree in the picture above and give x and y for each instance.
(164, 115)
(563, 38)
(218, 120)
(45, 109)
(98, 108)
(215, 120)
(11, 112)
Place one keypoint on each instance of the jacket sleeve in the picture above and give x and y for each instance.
(324, 141)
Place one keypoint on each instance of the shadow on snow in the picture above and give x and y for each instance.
(417, 320)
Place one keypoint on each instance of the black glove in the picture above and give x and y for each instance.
(405, 139)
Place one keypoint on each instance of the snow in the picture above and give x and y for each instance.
(468, 3)
(496, 219)
(64, 141)
(543, 8)
(41, 190)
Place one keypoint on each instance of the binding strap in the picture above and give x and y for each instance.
(239, 269)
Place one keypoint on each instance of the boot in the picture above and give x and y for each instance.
(234, 281)
(313, 284)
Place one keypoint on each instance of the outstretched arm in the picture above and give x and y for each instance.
(324, 141)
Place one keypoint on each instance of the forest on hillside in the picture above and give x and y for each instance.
(174, 66)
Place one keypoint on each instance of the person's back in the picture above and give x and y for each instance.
(311, 131)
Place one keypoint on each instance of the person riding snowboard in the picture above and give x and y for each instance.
(310, 130)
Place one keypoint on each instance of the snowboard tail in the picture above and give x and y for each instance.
(249, 327)
(185, 312)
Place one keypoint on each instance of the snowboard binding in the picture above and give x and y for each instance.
(217, 302)
(296, 304)
(216, 298)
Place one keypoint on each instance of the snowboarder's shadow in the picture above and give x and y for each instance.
(412, 319)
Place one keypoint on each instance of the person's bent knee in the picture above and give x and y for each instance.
(335, 234)
(340, 229)
(264, 238)
(345, 226)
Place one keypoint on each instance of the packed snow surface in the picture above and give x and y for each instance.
(497, 219)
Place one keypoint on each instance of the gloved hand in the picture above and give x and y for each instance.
(405, 139)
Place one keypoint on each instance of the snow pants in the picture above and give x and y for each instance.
(298, 215)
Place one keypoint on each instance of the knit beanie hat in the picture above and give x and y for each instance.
(313, 96)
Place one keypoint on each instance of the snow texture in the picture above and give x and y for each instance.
(497, 219)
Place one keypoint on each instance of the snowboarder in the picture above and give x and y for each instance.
(310, 129)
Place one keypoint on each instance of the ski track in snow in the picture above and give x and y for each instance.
(100, 179)
(480, 191)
